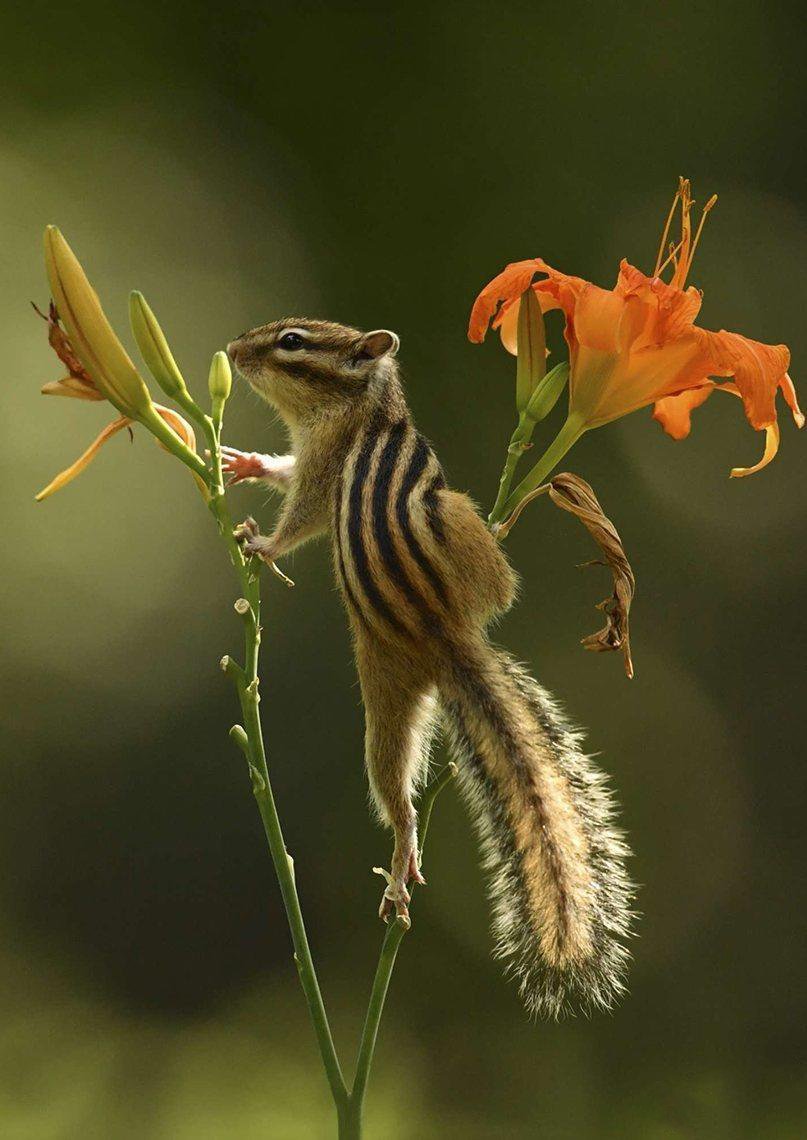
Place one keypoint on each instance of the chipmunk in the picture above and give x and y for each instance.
(422, 577)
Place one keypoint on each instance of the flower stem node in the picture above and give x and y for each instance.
(258, 782)
(241, 607)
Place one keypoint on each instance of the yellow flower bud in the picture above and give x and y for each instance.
(91, 334)
(154, 347)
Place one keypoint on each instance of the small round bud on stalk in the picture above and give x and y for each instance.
(154, 347)
(219, 382)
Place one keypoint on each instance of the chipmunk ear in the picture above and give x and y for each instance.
(379, 343)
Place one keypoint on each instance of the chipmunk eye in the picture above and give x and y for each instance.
(291, 341)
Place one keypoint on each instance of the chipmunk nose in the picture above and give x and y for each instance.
(232, 350)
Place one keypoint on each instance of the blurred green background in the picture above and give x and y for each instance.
(377, 164)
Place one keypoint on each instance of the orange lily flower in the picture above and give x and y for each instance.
(637, 344)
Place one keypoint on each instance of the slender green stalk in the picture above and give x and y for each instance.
(350, 1119)
(563, 441)
(247, 683)
(519, 443)
(249, 738)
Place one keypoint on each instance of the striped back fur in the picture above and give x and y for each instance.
(389, 532)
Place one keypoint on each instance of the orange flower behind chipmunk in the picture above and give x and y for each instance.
(637, 344)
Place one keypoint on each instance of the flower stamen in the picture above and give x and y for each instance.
(663, 242)
(672, 257)
(701, 224)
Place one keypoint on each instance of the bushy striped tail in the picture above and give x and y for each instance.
(544, 814)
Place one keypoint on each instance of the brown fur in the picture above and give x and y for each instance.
(422, 577)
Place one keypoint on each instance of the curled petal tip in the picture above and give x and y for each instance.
(771, 448)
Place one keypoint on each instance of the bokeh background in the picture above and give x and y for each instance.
(377, 164)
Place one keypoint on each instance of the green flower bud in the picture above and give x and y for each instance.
(531, 362)
(154, 347)
(548, 392)
(219, 382)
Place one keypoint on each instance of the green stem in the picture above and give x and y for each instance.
(246, 681)
(563, 441)
(519, 443)
(348, 1103)
(350, 1120)
(171, 441)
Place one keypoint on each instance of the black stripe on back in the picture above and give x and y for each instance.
(385, 474)
(432, 505)
(358, 552)
(417, 465)
(340, 556)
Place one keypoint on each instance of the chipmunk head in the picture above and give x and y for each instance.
(303, 366)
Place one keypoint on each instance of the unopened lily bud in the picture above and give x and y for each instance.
(548, 392)
(219, 382)
(154, 347)
(531, 362)
(90, 333)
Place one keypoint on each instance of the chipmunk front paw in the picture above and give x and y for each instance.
(240, 466)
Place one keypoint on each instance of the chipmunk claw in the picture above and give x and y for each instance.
(248, 536)
(246, 530)
(395, 899)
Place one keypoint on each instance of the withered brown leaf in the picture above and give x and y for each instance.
(573, 494)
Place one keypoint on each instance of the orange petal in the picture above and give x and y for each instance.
(67, 476)
(597, 318)
(674, 413)
(507, 320)
(557, 291)
(508, 285)
(672, 311)
(758, 369)
(72, 386)
(771, 447)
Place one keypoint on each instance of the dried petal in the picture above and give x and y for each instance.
(573, 494)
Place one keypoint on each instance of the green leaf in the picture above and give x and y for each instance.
(547, 394)
(531, 364)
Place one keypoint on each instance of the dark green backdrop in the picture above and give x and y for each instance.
(377, 164)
